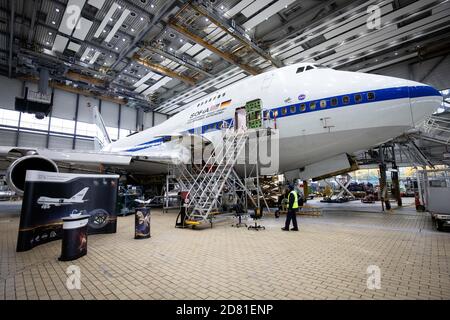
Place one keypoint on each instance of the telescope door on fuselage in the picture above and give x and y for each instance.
(254, 118)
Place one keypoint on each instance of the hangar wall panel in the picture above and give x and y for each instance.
(160, 118)
(85, 109)
(128, 118)
(7, 137)
(32, 140)
(64, 104)
(56, 142)
(110, 113)
(147, 121)
(82, 144)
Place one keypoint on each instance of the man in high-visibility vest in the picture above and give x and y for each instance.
(292, 209)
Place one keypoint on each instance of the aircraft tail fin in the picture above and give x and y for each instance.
(80, 195)
(101, 138)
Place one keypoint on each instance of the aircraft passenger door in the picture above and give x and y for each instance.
(240, 119)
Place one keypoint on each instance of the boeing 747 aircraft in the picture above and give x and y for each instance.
(322, 116)
(47, 202)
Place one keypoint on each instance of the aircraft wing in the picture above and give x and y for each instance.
(152, 161)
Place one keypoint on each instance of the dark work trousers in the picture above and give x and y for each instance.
(291, 215)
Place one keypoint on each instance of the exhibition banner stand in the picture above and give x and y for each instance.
(50, 196)
(142, 223)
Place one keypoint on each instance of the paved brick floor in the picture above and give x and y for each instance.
(327, 259)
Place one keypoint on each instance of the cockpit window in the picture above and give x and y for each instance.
(309, 67)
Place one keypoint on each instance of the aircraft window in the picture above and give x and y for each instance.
(284, 111)
(358, 98)
(308, 68)
(302, 107)
(293, 109)
(370, 96)
(319, 66)
(312, 105)
(300, 70)
(345, 99)
(223, 94)
(209, 99)
(323, 104)
(334, 102)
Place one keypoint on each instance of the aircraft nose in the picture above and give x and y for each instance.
(424, 101)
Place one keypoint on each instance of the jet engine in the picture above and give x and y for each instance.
(15, 175)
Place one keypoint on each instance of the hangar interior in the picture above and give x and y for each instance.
(140, 63)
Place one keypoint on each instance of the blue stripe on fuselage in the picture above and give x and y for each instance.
(321, 104)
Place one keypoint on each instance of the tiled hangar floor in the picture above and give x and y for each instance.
(327, 259)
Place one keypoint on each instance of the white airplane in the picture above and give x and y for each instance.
(47, 202)
(322, 116)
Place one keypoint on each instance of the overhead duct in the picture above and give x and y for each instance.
(44, 77)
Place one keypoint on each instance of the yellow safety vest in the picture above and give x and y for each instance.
(295, 205)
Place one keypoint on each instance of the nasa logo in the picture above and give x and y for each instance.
(301, 97)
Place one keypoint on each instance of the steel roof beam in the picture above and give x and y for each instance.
(188, 63)
(235, 31)
(163, 70)
(203, 43)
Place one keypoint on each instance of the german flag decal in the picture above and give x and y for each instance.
(225, 104)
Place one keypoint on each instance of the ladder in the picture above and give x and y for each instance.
(208, 185)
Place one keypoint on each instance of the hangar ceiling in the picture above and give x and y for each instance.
(164, 54)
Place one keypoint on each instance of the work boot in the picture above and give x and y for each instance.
(284, 229)
(294, 229)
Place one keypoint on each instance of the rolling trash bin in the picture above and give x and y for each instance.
(74, 237)
(142, 223)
